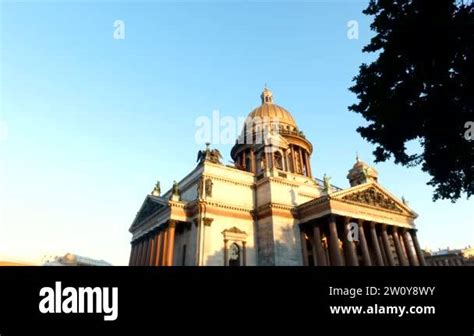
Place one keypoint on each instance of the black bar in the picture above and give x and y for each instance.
(277, 297)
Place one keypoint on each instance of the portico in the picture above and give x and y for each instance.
(362, 225)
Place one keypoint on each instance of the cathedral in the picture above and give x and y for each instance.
(267, 208)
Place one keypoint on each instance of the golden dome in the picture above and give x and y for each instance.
(269, 110)
(272, 123)
(273, 112)
(70, 258)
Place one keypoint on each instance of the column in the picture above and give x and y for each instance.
(164, 248)
(226, 253)
(386, 244)
(402, 245)
(335, 254)
(293, 158)
(313, 250)
(147, 251)
(401, 255)
(320, 255)
(382, 248)
(244, 162)
(272, 156)
(419, 252)
(363, 244)
(288, 163)
(252, 158)
(366, 260)
(244, 253)
(301, 159)
(151, 262)
(375, 245)
(158, 248)
(326, 249)
(349, 246)
(132, 254)
(138, 246)
(146, 257)
(409, 247)
(151, 244)
(136, 255)
(144, 251)
(139, 252)
(303, 246)
(308, 165)
(170, 245)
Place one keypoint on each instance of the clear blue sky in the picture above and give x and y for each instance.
(92, 122)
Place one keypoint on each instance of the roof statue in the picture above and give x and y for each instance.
(327, 184)
(212, 155)
(365, 173)
(404, 200)
(175, 189)
(157, 189)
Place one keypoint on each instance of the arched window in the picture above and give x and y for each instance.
(234, 247)
(234, 255)
(278, 160)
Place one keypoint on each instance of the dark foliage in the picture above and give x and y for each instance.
(421, 87)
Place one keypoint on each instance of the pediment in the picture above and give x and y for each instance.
(373, 195)
(150, 206)
(234, 230)
(234, 233)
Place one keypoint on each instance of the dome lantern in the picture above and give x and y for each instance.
(266, 96)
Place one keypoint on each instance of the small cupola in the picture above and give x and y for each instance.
(267, 96)
(361, 173)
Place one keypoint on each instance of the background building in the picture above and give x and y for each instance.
(450, 257)
(70, 259)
